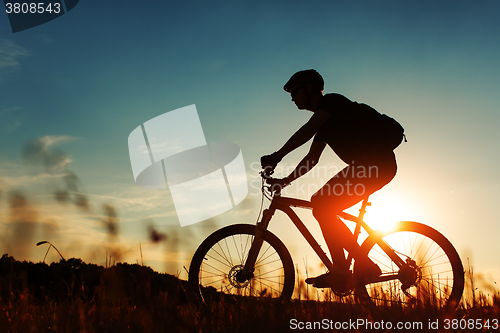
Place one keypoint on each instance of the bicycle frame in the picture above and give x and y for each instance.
(284, 204)
(416, 262)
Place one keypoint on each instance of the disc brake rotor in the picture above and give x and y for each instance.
(233, 277)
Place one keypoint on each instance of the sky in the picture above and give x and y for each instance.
(73, 89)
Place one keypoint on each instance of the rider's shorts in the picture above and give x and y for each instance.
(355, 182)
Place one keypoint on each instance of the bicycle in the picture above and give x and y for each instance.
(419, 265)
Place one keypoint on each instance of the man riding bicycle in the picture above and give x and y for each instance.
(357, 135)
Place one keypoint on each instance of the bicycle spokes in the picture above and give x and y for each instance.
(219, 264)
(431, 272)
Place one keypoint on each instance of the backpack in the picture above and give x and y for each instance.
(392, 133)
(381, 129)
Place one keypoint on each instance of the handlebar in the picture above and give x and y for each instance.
(273, 186)
(265, 176)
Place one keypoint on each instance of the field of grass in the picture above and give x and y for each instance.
(72, 296)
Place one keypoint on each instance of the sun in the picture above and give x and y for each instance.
(386, 210)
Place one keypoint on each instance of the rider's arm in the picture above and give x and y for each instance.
(305, 133)
(308, 162)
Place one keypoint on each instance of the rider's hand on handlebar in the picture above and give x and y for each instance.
(277, 184)
(269, 163)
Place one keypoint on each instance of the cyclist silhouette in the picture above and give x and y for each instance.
(345, 126)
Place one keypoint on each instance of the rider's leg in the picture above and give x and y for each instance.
(342, 192)
(336, 234)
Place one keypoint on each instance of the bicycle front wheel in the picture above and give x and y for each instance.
(218, 260)
(432, 274)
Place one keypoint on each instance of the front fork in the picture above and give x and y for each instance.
(247, 272)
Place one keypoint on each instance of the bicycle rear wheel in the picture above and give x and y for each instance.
(433, 273)
(218, 260)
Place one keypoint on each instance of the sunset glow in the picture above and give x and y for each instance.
(73, 89)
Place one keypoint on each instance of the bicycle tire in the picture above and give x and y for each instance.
(438, 277)
(222, 254)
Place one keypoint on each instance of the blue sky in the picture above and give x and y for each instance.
(81, 83)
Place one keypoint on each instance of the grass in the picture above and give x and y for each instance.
(71, 296)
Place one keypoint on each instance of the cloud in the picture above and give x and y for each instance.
(10, 53)
(52, 140)
(137, 199)
(38, 152)
(10, 182)
(14, 176)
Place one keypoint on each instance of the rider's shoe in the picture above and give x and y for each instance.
(333, 278)
(366, 269)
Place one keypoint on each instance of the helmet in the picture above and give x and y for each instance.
(303, 77)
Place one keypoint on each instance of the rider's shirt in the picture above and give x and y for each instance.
(346, 128)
